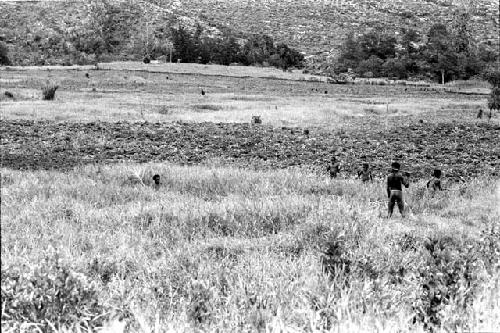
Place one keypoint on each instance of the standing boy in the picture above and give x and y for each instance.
(365, 174)
(435, 183)
(333, 168)
(395, 182)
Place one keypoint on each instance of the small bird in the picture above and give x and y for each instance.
(202, 92)
(326, 91)
(87, 75)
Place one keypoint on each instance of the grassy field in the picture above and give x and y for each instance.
(172, 92)
(223, 248)
(235, 250)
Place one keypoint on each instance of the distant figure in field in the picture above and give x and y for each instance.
(480, 114)
(256, 120)
(202, 92)
(87, 75)
(156, 179)
(435, 183)
(395, 182)
(490, 115)
(334, 167)
(365, 174)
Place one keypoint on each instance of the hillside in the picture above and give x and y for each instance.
(320, 25)
(313, 27)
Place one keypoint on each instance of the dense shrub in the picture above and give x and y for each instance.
(49, 92)
(4, 55)
(493, 77)
(494, 99)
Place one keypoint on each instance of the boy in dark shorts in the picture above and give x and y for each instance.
(365, 174)
(395, 182)
(333, 168)
(435, 183)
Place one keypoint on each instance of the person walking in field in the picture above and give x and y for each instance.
(395, 183)
(365, 174)
(334, 167)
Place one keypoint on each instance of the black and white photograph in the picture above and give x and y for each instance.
(268, 166)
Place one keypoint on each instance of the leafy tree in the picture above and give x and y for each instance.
(394, 67)
(462, 37)
(230, 51)
(258, 49)
(184, 45)
(440, 52)
(410, 40)
(469, 65)
(350, 54)
(285, 57)
(378, 44)
(4, 55)
(371, 65)
(105, 30)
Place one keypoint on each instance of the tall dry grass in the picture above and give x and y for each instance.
(226, 249)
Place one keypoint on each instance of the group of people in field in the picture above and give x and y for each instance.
(396, 180)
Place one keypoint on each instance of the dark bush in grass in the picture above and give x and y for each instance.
(4, 55)
(49, 92)
(207, 107)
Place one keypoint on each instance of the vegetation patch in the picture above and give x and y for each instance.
(48, 296)
(207, 107)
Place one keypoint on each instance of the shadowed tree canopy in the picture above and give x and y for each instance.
(4, 55)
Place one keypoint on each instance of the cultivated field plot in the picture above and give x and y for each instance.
(245, 233)
(461, 150)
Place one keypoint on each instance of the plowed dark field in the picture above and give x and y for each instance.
(460, 150)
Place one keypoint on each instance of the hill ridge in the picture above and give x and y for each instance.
(313, 27)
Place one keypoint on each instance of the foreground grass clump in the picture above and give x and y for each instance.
(239, 250)
(48, 294)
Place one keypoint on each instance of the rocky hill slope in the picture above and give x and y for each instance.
(320, 25)
(312, 26)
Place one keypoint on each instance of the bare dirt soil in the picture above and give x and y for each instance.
(460, 150)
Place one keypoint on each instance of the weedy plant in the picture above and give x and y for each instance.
(49, 296)
(49, 92)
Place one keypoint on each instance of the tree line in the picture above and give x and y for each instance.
(257, 49)
(112, 31)
(442, 54)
